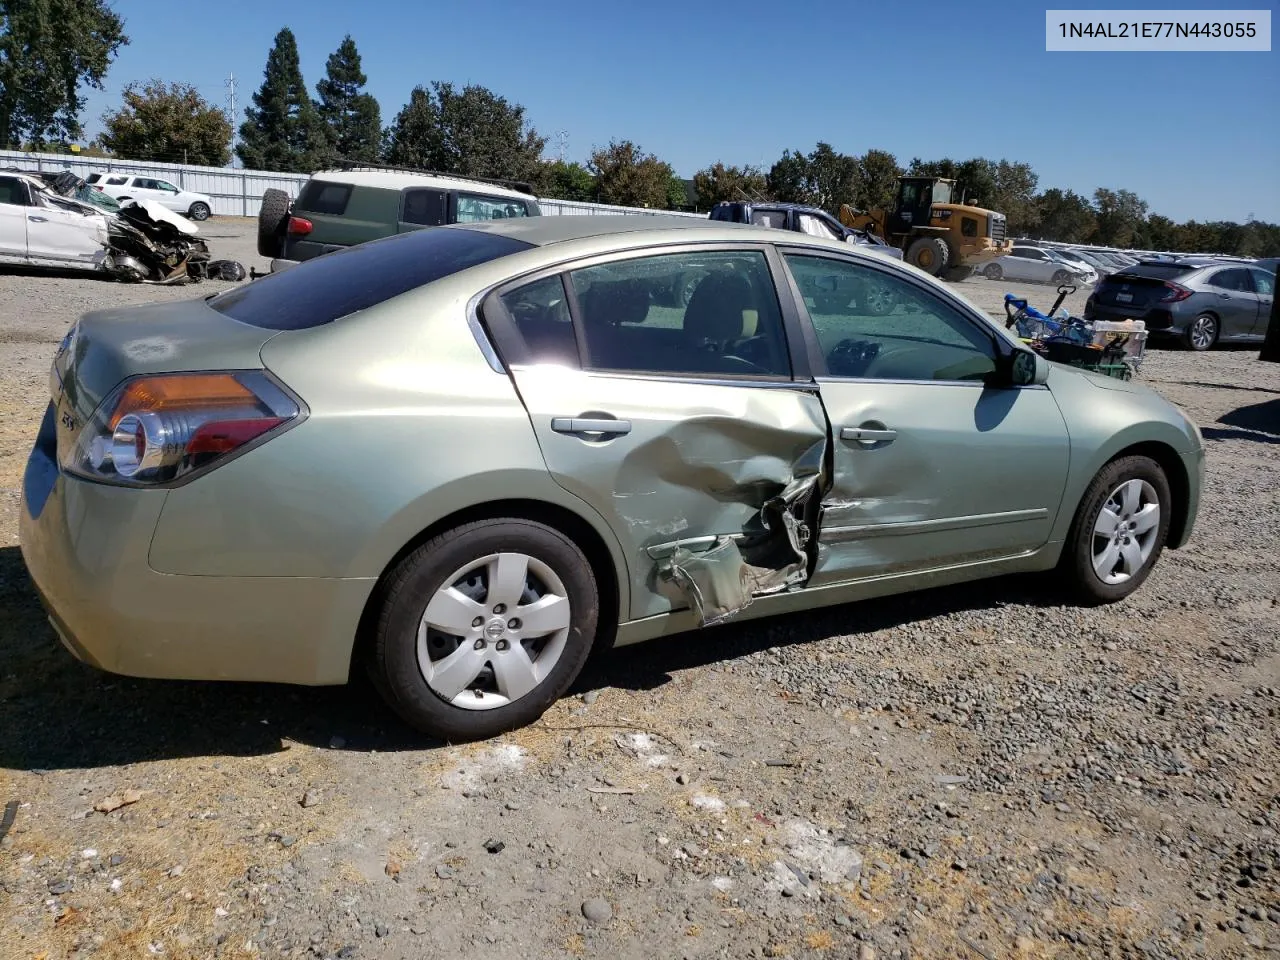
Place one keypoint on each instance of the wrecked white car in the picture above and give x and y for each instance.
(142, 242)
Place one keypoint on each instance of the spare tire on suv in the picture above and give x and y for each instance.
(272, 217)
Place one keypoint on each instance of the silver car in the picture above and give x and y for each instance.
(1200, 300)
(1037, 265)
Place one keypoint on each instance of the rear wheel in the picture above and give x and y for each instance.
(271, 219)
(483, 627)
(199, 211)
(1119, 530)
(930, 254)
(1202, 333)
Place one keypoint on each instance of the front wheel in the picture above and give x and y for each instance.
(1119, 531)
(1060, 277)
(992, 271)
(484, 627)
(199, 211)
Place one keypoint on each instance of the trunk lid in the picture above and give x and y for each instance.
(107, 346)
(1136, 288)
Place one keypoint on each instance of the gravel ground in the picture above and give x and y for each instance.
(973, 773)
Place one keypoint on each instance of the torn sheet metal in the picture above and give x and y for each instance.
(715, 581)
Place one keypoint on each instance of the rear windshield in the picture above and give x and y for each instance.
(333, 285)
(1154, 271)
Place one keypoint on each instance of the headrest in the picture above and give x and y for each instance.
(615, 302)
(721, 309)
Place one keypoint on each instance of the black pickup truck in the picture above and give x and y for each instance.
(797, 217)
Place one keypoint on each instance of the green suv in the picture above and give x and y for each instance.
(341, 208)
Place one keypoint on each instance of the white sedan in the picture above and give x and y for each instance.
(197, 206)
(38, 228)
(1039, 266)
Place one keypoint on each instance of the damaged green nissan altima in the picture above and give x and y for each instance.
(460, 458)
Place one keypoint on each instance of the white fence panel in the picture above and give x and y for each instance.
(235, 193)
(238, 193)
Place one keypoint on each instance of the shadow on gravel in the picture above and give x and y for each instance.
(56, 273)
(59, 713)
(1263, 417)
(649, 665)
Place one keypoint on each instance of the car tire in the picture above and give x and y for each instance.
(199, 211)
(1202, 333)
(929, 254)
(271, 220)
(993, 271)
(1060, 277)
(417, 667)
(1105, 560)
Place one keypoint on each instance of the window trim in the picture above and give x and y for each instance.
(1000, 344)
(509, 349)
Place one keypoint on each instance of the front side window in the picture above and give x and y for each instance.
(1264, 282)
(1237, 280)
(682, 314)
(873, 324)
(473, 207)
(166, 185)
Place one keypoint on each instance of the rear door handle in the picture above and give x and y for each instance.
(38, 219)
(581, 425)
(867, 435)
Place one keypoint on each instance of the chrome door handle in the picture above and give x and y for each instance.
(867, 435)
(580, 425)
(38, 219)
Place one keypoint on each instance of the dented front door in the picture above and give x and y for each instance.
(675, 415)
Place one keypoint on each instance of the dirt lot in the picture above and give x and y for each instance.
(977, 772)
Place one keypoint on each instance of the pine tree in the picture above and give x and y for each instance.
(282, 130)
(414, 138)
(351, 117)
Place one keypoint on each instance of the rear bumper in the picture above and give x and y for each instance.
(1158, 320)
(85, 545)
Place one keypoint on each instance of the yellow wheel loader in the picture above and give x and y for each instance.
(937, 232)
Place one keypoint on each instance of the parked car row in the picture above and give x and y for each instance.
(1041, 265)
(123, 186)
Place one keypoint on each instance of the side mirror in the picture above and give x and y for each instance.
(1026, 368)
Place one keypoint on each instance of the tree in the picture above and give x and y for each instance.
(282, 130)
(718, 182)
(788, 178)
(413, 140)
(878, 178)
(1014, 196)
(567, 181)
(484, 135)
(351, 116)
(1065, 216)
(167, 122)
(1120, 215)
(628, 176)
(49, 49)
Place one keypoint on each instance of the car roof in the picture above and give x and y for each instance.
(401, 179)
(541, 231)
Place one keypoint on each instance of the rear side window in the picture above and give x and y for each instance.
(320, 196)
(770, 218)
(321, 290)
(13, 191)
(1237, 280)
(424, 207)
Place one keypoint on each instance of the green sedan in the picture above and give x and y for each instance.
(462, 458)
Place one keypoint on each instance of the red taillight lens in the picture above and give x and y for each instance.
(153, 430)
(298, 226)
(1176, 292)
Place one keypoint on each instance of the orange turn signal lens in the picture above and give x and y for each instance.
(183, 391)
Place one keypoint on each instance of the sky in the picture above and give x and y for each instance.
(1193, 134)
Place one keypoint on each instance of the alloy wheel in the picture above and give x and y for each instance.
(1203, 332)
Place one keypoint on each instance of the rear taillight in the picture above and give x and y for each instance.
(158, 429)
(299, 226)
(1176, 292)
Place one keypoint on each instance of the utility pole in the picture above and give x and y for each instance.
(230, 84)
